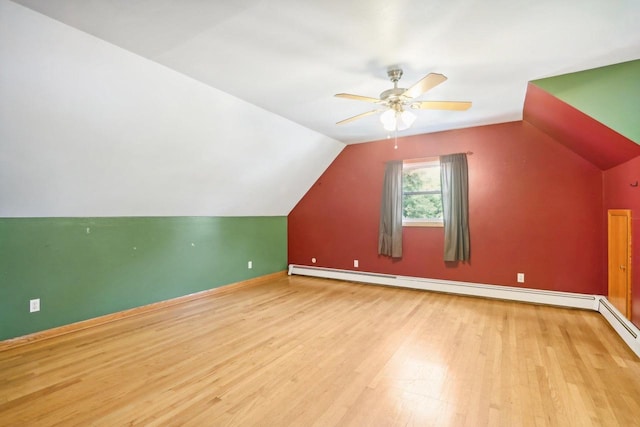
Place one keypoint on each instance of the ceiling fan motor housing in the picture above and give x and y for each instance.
(394, 74)
(393, 97)
(392, 94)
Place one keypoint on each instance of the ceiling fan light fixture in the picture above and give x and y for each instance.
(388, 119)
(407, 118)
(397, 120)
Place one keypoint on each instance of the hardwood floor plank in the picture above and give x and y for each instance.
(309, 351)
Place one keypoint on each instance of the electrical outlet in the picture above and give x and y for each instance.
(355, 263)
(520, 277)
(250, 265)
(34, 305)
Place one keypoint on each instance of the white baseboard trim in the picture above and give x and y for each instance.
(536, 296)
(627, 331)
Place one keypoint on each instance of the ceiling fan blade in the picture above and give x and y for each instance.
(358, 97)
(428, 82)
(359, 116)
(441, 105)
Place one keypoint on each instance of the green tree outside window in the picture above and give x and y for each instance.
(421, 199)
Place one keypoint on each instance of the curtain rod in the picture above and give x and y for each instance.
(425, 158)
(447, 154)
(467, 152)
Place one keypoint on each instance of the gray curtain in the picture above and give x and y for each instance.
(455, 206)
(390, 231)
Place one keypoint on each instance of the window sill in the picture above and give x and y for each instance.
(422, 224)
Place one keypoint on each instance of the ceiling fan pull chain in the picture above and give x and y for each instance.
(395, 146)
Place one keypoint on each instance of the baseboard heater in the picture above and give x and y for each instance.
(623, 327)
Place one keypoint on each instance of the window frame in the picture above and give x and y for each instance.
(418, 164)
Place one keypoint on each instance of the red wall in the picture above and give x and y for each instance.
(619, 194)
(535, 207)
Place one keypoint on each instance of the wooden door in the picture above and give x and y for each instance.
(619, 243)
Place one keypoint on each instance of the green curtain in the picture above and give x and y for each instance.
(455, 206)
(390, 231)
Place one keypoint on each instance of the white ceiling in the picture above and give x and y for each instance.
(290, 57)
(90, 129)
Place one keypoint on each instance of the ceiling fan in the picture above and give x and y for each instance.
(395, 101)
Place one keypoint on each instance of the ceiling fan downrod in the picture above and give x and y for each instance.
(394, 94)
(395, 74)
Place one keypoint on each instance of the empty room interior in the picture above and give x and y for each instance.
(319, 213)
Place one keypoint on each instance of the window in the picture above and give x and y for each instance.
(421, 198)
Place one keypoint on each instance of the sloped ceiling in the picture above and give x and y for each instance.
(592, 112)
(609, 94)
(90, 129)
(290, 57)
(589, 138)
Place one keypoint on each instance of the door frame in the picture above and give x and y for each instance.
(627, 214)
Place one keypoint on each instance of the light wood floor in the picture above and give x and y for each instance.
(303, 351)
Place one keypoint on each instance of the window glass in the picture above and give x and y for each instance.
(421, 198)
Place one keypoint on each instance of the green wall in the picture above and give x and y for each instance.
(86, 267)
(610, 94)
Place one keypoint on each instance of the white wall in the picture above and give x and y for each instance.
(89, 129)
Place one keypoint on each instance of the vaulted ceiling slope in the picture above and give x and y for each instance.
(609, 94)
(593, 112)
(90, 129)
(290, 57)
